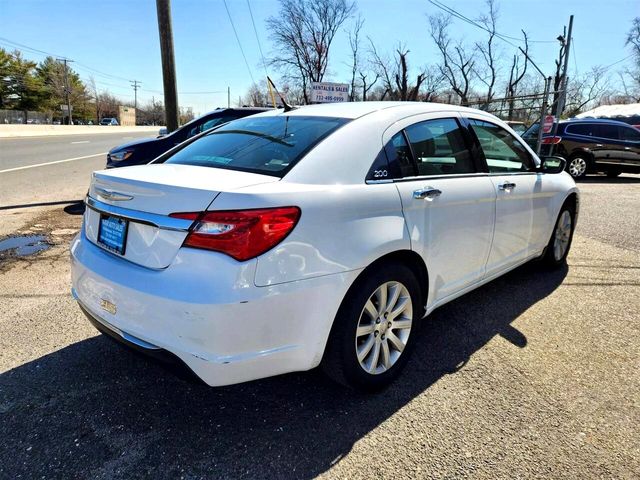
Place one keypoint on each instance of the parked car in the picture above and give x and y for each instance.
(592, 146)
(110, 122)
(318, 236)
(143, 151)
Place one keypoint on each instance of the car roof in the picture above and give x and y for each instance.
(353, 110)
(237, 109)
(592, 120)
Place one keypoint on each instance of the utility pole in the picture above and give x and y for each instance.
(562, 98)
(67, 90)
(135, 84)
(168, 64)
(563, 95)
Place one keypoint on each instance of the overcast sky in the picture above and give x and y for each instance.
(117, 40)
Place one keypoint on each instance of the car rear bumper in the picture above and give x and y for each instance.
(205, 311)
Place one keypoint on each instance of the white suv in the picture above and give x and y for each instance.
(316, 236)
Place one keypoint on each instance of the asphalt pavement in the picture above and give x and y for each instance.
(54, 168)
(533, 375)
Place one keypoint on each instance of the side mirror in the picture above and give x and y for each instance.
(163, 131)
(552, 164)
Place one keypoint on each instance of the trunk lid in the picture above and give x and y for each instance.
(145, 195)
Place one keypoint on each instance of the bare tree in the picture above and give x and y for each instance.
(586, 90)
(516, 74)
(354, 43)
(366, 83)
(382, 68)
(303, 32)
(395, 74)
(405, 91)
(488, 51)
(457, 62)
(633, 41)
(431, 84)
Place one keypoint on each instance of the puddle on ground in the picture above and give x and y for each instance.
(23, 245)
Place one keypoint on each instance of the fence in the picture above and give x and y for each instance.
(20, 116)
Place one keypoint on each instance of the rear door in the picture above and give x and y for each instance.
(447, 203)
(521, 207)
(630, 138)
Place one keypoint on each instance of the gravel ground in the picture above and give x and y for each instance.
(533, 375)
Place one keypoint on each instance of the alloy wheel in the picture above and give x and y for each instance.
(577, 167)
(384, 327)
(562, 235)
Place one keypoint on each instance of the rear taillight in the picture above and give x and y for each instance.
(551, 140)
(241, 234)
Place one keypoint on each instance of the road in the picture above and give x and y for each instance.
(72, 158)
(533, 375)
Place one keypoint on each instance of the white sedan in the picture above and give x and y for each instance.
(316, 236)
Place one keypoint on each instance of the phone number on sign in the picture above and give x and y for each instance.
(329, 98)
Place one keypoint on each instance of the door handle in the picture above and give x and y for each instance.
(428, 193)
(599, 145)
(507, 186)
(627, 148)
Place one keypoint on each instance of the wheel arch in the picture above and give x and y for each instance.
(408, 258)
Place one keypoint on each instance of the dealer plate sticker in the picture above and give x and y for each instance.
(112, 233)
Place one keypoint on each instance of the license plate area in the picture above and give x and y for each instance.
(112, 233)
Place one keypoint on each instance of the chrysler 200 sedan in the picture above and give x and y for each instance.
(321, 235)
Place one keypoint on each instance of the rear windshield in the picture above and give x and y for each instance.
(267, 145)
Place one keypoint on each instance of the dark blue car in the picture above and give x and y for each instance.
(592, 146)
(141, 152)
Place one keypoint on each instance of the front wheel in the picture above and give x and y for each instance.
(374, 329)
(577, 166)
(561, 238)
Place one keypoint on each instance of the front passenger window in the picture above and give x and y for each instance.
(504, 152)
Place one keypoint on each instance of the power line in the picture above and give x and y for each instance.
(239, 44)
(503, 37)
(83, 66)
(255, 30)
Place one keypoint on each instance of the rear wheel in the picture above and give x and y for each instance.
(577, 166)
(561, 238)
(375, 329)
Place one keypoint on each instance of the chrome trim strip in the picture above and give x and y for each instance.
(438, 177)
(624, 164)
(161, 221)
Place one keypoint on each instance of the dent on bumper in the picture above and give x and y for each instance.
(261, 332)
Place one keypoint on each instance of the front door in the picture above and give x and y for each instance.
(449, 206)
(521, 204)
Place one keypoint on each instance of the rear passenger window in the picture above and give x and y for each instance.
(583, 129)
(504, 152)
(606, 131)
(439, 147)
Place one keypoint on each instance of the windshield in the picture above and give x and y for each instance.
(268, 145)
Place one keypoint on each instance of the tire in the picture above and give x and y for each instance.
(613, 173)
(356, 314)
(578, 165)
(555, 255)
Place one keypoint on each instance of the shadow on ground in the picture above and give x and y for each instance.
(92, 409)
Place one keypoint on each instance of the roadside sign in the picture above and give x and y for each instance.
(64, 108)
(547, 125)
(326, 92)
